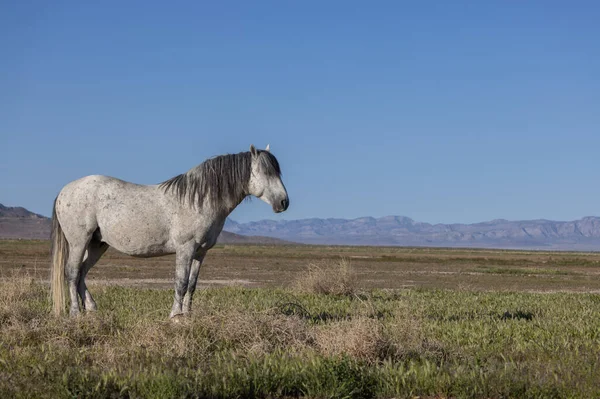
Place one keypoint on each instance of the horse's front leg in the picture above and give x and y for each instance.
(193, 280)
(182, 274)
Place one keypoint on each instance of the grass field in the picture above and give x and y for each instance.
(310, 321)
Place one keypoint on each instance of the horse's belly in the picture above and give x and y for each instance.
(136, 235)
(137, 243)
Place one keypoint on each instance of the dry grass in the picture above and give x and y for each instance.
(15, 294)
(25, 320)
(361, 338)
(241, 343)
(323, 339)
(257, 332)
(329, 278)
(407, 338)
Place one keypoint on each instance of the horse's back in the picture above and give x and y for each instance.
(90, 192)
(128, 216)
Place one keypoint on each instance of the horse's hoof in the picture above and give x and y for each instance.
(91, 307)
(178, 318)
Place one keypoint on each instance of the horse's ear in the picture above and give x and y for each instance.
(268, 149)
(253, 150)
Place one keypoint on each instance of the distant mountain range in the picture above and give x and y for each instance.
(17, 222)
(583, 234)
(577, 235)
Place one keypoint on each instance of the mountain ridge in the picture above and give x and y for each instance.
(581, 234)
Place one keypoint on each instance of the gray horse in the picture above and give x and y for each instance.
(183, 215)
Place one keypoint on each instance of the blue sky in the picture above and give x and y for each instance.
(441, 111)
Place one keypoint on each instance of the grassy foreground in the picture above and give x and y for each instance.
(315, 340)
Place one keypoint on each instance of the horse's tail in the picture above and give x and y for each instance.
(60, 254)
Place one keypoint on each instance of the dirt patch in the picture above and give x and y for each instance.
(374, 267)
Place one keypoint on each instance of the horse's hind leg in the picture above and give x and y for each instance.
(72, 272)
(95, 250)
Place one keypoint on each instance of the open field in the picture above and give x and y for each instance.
(375, 267)
(399, 322)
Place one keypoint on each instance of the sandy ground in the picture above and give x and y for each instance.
(374, 267)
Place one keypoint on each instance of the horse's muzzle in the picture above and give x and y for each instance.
(282, 206)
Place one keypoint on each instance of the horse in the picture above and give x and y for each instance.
(183, 215)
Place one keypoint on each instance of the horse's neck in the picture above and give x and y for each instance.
(227, 210)
(210, 211)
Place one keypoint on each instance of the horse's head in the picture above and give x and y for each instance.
(265, 180)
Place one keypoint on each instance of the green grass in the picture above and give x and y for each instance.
(276, 342)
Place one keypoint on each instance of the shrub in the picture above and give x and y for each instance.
(330, 278)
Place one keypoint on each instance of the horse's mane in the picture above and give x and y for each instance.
(222, 180)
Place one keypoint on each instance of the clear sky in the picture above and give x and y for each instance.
(443, 111)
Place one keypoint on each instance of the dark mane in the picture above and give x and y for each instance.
(222, 180)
